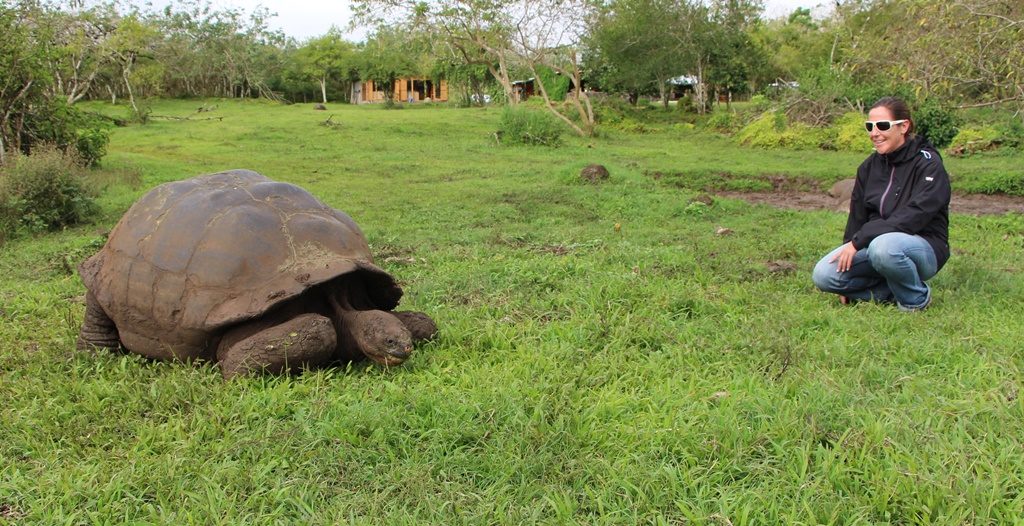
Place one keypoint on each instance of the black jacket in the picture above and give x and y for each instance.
(903, 191)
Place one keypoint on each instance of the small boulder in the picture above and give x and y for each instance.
(594, 173)
(703, 198)
(781, 266)
(320, 107)
(842, 188)
(842, 191)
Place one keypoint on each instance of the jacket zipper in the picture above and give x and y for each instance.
(881, 205)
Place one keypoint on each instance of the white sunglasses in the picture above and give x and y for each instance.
(882, 125)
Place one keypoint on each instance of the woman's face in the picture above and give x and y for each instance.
(890, 140)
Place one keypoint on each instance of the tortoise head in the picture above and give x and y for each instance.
(381, 336)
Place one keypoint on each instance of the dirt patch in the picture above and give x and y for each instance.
(973, 204)
(8, 511)
(806, 193)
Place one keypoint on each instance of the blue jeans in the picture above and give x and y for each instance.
(893, 267)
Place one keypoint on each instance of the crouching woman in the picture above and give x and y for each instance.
(897, 233)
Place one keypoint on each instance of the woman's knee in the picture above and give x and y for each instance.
(886, 249)
(823, 275)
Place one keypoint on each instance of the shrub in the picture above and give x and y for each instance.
(533, 127)
(771, 130)
(685, 104)
(631, 126)
(722, 121)
(92, 144)
(760, 103)
(43, 191)
(57, 123)
(937, 123)
(557, 85)
(1011, 133)
(974, 140)
(848, 133)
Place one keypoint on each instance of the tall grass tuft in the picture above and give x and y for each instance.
(525, 126)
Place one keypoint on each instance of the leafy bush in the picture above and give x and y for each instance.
(973, 140)
(43, 191)
(632, 126)
(556, 85)
(848, 133)
(615, 110)
(533, 127)
(1011, 133)
(722, 121)
(92, 144)
(936, 122)
(760, 103)
(55, 122)
(685, 104)
(772, 130)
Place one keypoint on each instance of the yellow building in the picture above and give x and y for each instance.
(408, 89)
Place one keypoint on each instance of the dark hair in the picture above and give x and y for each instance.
(899, 110)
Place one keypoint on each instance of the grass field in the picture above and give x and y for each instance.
(657, 373)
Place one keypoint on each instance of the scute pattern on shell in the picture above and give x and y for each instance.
(193, 256)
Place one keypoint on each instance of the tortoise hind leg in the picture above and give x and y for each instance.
(98, 330)
(419, 324)
(303, 342)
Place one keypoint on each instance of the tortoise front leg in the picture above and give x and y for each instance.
(421, 326)
(98, 330)
(303, 342)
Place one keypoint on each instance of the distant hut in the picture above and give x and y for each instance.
(406, 89)
(522, 89)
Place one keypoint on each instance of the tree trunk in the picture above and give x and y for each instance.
(501, 75)
(700, 92)
(128, 86)
(323, 89)
(551, 107)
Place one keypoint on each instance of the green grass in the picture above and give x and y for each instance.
(658, 374)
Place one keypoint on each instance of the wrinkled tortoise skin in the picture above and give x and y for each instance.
(195, 256)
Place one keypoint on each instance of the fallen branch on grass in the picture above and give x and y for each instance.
(329, 123)
(173, 118)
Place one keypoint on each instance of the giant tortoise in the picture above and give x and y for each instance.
(254, 274)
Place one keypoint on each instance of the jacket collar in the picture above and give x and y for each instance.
(910, 148)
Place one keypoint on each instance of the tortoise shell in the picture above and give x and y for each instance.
(195, 256)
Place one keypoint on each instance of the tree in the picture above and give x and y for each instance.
(966, 52)
(797, 42)
(25, 76)
(733, 54)
(634, 46)
(478, 32)
(32, 112)
(505, 34)
(326, 58)
(550, 34)
(386, 57)
(82, 38)
(132, 41)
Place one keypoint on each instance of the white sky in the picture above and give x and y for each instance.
(303, 19)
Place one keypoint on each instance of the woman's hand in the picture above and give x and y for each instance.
(845, 257)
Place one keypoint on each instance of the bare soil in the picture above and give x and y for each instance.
(973, 204)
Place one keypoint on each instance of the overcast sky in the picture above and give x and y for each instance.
(303, 19)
